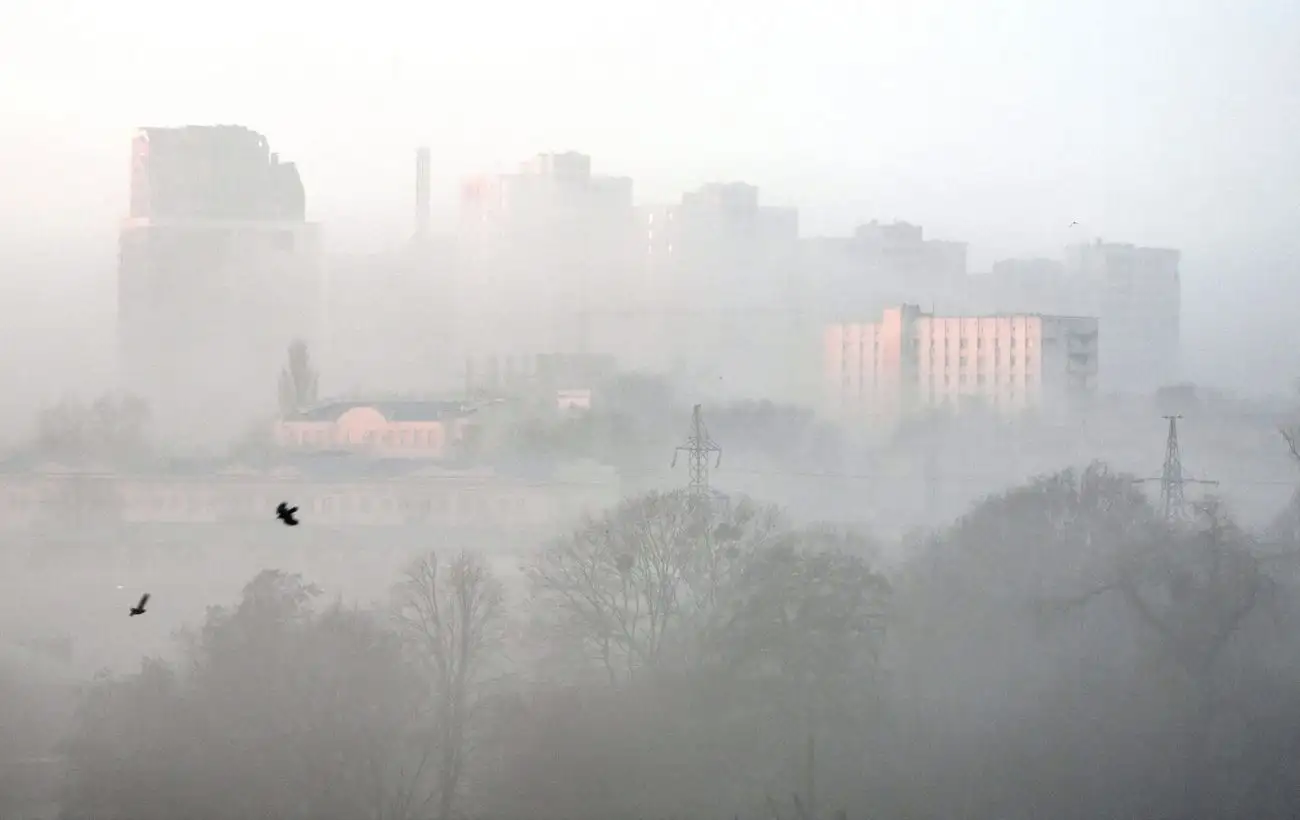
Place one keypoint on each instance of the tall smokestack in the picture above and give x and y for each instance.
(422, 171)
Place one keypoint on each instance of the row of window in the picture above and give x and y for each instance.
(981, 380)
(963, 363)
(996, 397)
(947, 380)
(364, 503)
(389, 438)
(875, 346)
(962, 343)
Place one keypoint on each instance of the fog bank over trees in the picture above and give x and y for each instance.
(1061, 650)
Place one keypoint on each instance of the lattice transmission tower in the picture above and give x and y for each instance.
(1172, 477)
(700, 448)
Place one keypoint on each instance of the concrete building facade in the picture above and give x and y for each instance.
(880, 265)
(878, 373)
(725, 292)
(1136, 294)
(218, 271)
(546, 254)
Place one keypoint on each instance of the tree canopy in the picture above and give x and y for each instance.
(1061, 650)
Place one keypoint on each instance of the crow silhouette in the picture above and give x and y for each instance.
(285, 513)
(138, 609)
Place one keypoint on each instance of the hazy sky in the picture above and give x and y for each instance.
(994, 121)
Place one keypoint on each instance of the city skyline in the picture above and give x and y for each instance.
(718, 290)
(444, 225)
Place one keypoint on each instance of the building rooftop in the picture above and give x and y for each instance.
(391, 409)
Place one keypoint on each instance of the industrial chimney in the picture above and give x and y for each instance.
(422, 193)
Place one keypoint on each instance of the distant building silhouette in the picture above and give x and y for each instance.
(1136, 295)
(1134, 292)
(423, 174)
(218, 271)
(548, 260)
(729, 295)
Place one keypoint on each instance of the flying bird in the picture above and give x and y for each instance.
(138, 609)
(285, 513)
(1072, 224)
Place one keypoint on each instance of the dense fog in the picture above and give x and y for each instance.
(1060, 648)
(728, 411)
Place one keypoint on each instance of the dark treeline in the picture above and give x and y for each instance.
(1061, 651)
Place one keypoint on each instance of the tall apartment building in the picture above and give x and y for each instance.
(878, 266)
(546, 254)
(878, 373)
(900, 252)
(389, 317)
(724, 270)
(1136, 294)
(218, 271)
(1133, 291)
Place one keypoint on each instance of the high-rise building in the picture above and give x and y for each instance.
(900, 253)
(547, 262)
(724, 273)
(218, 271)
(878, 266)
(423, 173)
(1028, 286)
(1136, 294)
(877, 373)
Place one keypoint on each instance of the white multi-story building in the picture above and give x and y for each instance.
(725, 291)
(879, 372)
(881, 264)
(545, 254)
(1136, 295)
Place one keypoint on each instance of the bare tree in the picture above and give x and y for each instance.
(453, 615)
(1192, 592)
(645, 576)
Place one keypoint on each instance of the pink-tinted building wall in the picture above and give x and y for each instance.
(367, 430)
(878, 372)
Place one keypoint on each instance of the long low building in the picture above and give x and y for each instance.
(878, 373)
(380, 495)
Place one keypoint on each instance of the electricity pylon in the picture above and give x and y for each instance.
(1172, 478)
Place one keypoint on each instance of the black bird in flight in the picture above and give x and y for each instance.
(285, 513)
(1072, 224)
(138, 609)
